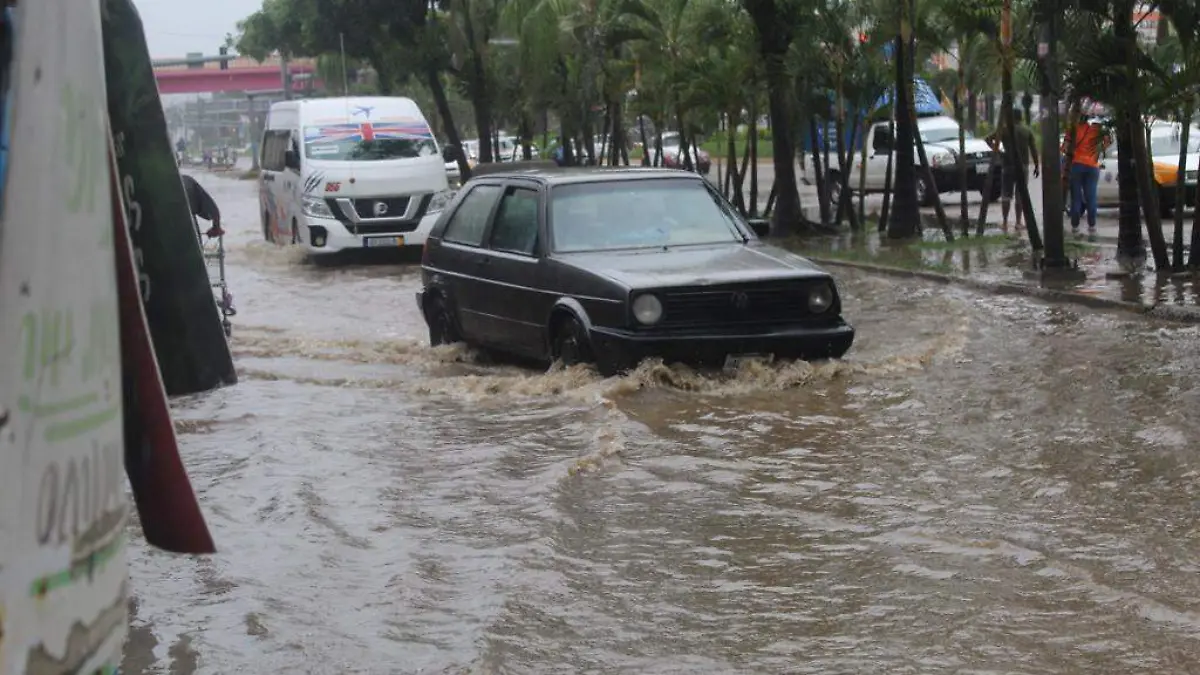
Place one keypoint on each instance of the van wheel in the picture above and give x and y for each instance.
(295, 234)
(442, 329)
(266, 223)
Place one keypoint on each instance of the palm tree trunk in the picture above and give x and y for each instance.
(1151, 210)
(931, 184)
(819, 171)
(1181, 184)
(787, 216)
(433, 80)
(862, 176)
(905, 218)
(1131, 248)
(964, 216)
(752, 146)
(645, 140)
(1194, 250)
(845, 197)
(887, 176)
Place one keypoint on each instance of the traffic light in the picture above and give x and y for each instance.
(224, 62)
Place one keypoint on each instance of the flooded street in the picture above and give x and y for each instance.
(985, 485)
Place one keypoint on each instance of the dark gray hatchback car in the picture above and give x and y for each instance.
(610, 266)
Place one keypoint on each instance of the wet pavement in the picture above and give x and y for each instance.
(985, 485)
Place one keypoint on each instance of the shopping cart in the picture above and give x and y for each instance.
(214, 260)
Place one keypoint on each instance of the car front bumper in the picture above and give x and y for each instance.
(948, 178)
(625, 348)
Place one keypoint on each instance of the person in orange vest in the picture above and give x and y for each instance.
(1090, 141)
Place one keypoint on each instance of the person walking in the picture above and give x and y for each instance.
(1012, 172)
(1090, 141)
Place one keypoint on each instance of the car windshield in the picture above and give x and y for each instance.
(369, 142)
(621, 214)
(941, 135)
(1170, 144)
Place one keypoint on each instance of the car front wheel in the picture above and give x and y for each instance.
(571, 344)
(442, 330)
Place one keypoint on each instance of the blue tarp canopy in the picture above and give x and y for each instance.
(927, 101)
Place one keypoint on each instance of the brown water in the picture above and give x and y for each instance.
(985, 485)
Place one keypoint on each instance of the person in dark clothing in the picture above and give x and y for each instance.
(203, 206)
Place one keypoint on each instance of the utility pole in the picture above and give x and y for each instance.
(1052, 197)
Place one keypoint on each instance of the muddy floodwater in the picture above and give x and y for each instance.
(984, 485)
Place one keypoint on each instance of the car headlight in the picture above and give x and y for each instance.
(315, 207)
(647, 309)
(820, 298)
(439, 201)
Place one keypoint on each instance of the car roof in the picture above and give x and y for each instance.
(556, 175)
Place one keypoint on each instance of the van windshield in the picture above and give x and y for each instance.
(368, 141)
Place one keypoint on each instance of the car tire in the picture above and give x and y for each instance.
(570, 344)
(925, 192)
(833, 188)
(266, 223)
(442, 329)
(295, 233)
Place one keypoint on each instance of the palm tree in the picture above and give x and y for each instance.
(1185, 18)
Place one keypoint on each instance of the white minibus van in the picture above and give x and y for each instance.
(348, 173)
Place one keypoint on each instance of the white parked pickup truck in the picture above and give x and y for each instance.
(940, 135)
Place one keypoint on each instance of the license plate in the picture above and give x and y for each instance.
(736, 361)
(982, 168)
(376, 242)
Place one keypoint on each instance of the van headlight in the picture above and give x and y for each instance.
(315, 207)
(820, 299)
(440, 200)
(647, 309)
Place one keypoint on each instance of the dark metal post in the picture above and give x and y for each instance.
(1052, 197)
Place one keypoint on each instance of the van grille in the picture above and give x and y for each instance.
(394, 207)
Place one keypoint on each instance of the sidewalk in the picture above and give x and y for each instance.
(1000, 263)
(1106, 226)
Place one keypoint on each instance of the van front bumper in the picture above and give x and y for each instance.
(322, 236)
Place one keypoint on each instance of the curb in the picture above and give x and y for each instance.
(1175, 313)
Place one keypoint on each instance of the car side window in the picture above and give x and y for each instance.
(516, 226)
(274, 143)
(470, 219)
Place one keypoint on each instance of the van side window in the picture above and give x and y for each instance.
(516, 226)
(470, 219)
(274, 144)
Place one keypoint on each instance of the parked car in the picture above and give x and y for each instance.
(1164, 149)
(674, 156)
(610, 266)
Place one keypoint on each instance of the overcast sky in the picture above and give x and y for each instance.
(176, 27)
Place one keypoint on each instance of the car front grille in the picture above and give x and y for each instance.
(395, 207)
(770, 302)
(1190, 176)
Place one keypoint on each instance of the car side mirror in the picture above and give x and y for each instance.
(291, 160)
(760, 226)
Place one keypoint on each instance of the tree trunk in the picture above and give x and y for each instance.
(1145, 184)
(1194, 251)
(1181, 184)
(905, 218)
(433, 80)
(972, 111)
(752, 146)
(931, 185)
(819, 171)
(887, 176)
(1131, 248)
(645, 140)
(964, 216)
(862, 175)
(845, 197)
(787, 216)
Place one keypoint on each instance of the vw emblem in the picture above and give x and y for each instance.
(381, 209)
(739, 300)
